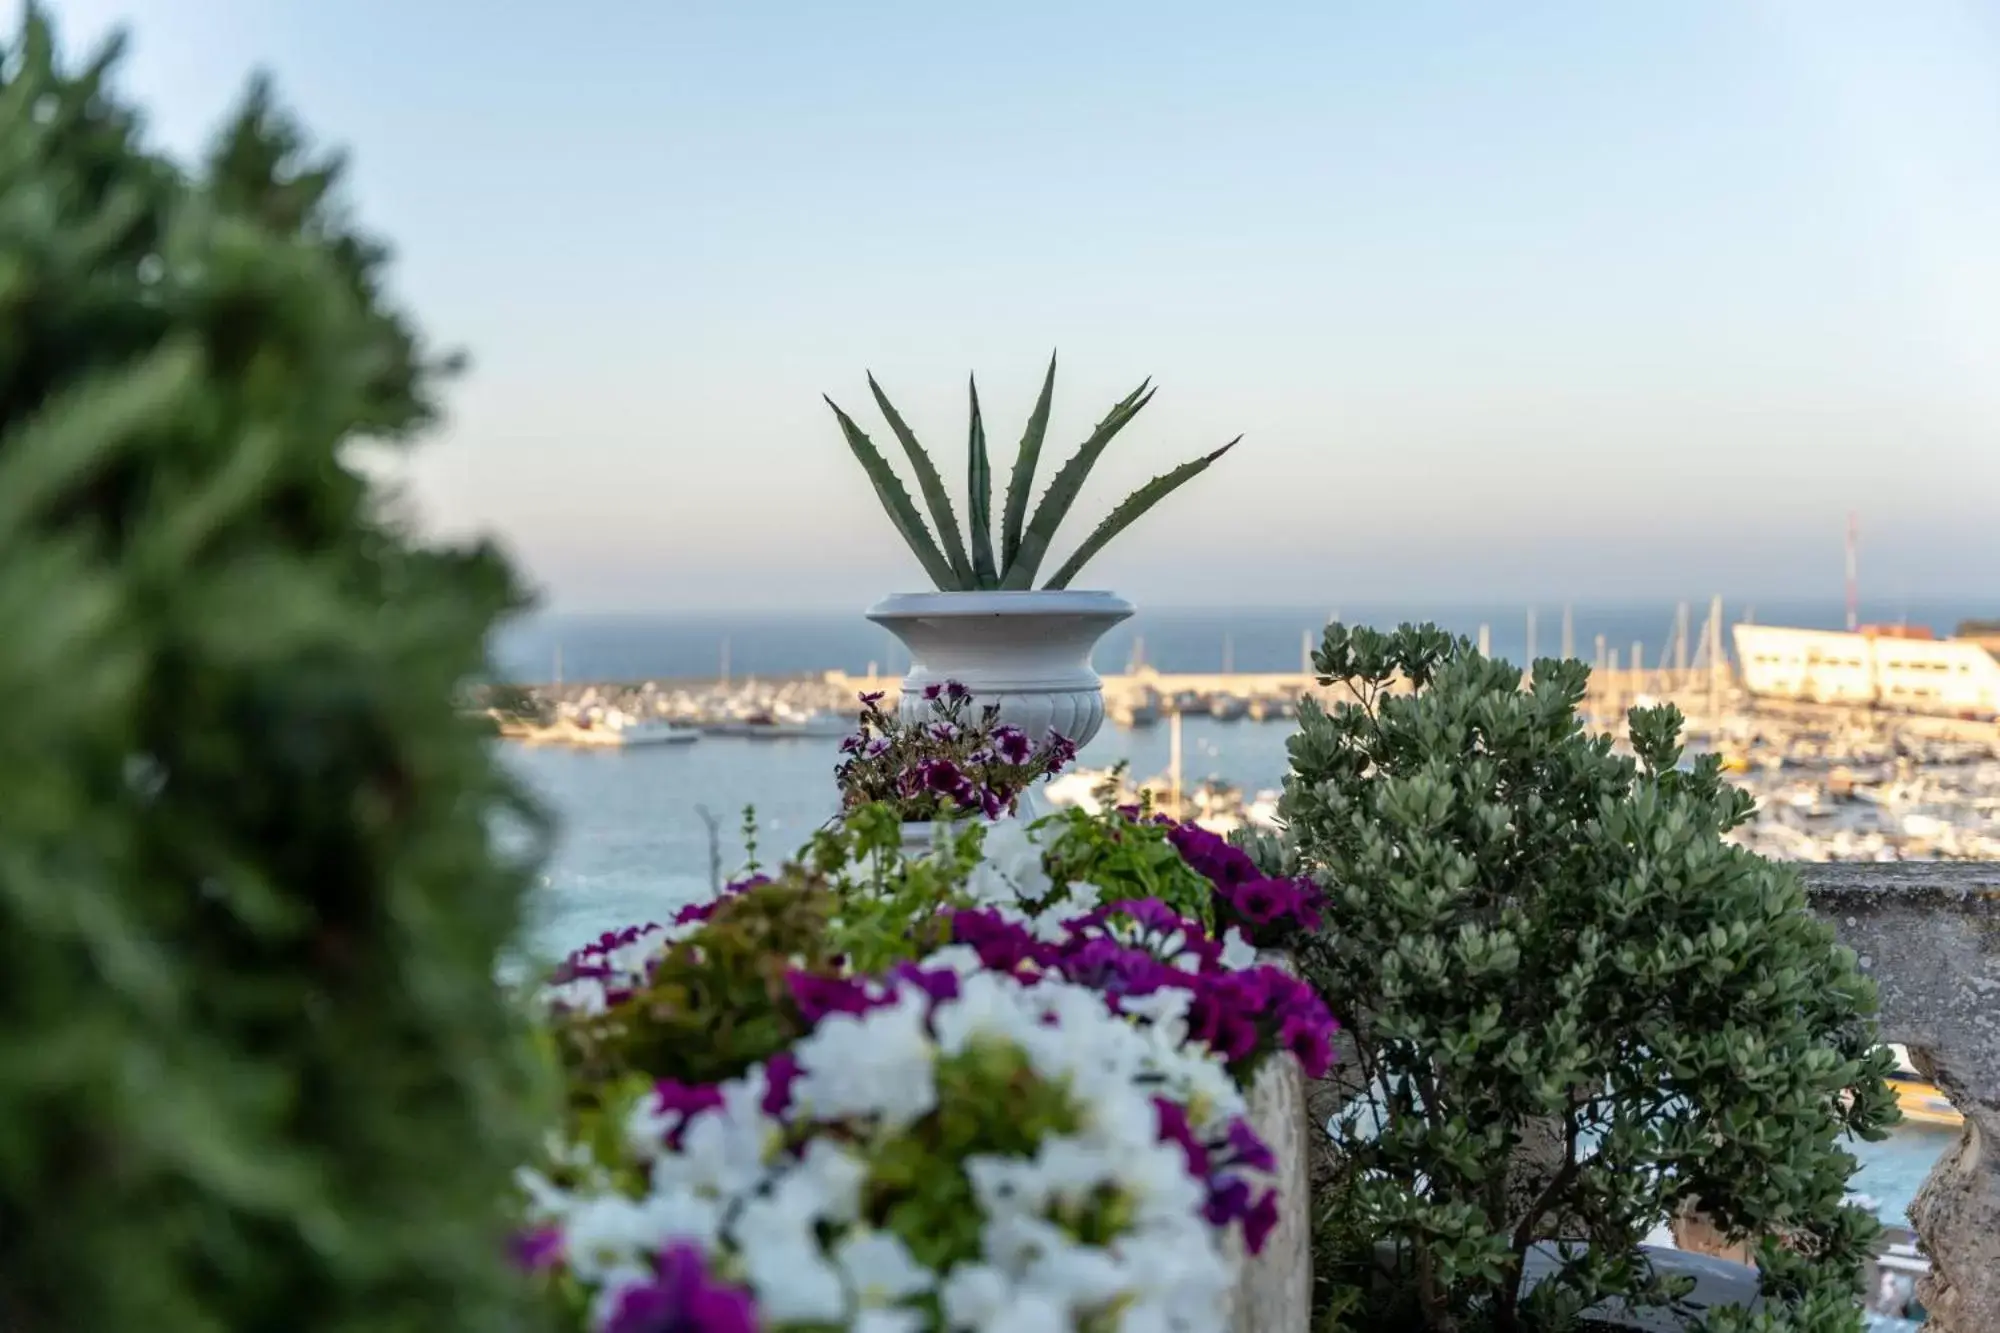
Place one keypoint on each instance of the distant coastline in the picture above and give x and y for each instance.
(706, 646)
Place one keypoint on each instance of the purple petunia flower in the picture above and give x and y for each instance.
(1174, 1128)
(956, 692)
(932, 691)
(686, 1099)
(1262, 901)
(938, 983)
(683, 1298)
(817, 996)
(1001, 945)
(780, 1072)
(1223, 865)
(1247, 1149)
(538, 1249)
(1260, 1222)
(1308, 1035)
(1228, 1200)
(1012, 744)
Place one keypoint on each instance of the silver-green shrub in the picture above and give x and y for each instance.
(1575, 1007)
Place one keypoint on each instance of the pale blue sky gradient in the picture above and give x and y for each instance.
(1539, 300)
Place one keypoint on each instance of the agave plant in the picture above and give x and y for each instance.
(955, 565)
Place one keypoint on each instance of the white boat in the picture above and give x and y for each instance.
(656, 733)
(788, 726)
(1889, 666)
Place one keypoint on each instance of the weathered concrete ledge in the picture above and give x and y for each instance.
(1274, 1293)
(1929, 933)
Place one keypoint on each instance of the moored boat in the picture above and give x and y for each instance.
(1920, 1101)
(655, 733)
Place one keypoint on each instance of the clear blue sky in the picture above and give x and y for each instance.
(1509, 300)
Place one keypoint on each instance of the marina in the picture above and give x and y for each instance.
(1876, 744)
(1849, 750)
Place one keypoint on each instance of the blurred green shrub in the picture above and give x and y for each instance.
(258, 1074)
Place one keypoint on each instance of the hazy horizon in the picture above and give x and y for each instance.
(1552, 302)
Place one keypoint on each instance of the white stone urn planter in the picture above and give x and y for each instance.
(1027, 652)
(922, 835)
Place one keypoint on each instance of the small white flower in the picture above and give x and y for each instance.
(880, 1268)
(887, 1321)
(604, 1236)
(1028, 1312)
(835, 1175)
(1010, 868)
(1238, 954)
(545, 1199)
(974, 1295)
(791, 1279)
(879, 1063)
(723, 1148)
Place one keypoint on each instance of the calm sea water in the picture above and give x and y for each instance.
(637, 647)
(634, 846)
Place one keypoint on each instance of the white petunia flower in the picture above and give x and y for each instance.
(893, 1320)
(835, 1175)
(1238, 954)
(1010, 868)
(880, 1269)
(974, 1295)
(791, 1278)
(606, 1235)
(723, 1149)
(1028, 1312)
(875, 1064)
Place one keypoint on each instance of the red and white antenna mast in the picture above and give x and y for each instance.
(1853, 571)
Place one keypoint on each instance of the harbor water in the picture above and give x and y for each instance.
(689, 646)
(633, 844)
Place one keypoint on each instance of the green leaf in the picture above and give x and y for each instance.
(932, 486)
(902, 510)
(979, 484)
(88, 423)
(1022, 482)
(1063, 491)
(1128, 512)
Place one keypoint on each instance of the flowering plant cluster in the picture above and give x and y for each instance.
(1033, 1119)
(1272, 912)
(952, 763)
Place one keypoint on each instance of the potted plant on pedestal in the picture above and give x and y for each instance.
(1022, 649)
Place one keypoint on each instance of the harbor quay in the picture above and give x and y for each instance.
(1715, 703)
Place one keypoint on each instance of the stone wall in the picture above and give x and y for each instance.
(1929, 933)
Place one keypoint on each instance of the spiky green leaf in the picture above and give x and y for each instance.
(1062, 492)
(931, 484)
(901, 508)
(979, 487)
(1022, 482)
(1135, 504)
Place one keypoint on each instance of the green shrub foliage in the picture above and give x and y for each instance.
(258, 1074)
(1577, 1008)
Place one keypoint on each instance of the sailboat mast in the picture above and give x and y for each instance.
(1853, 571)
